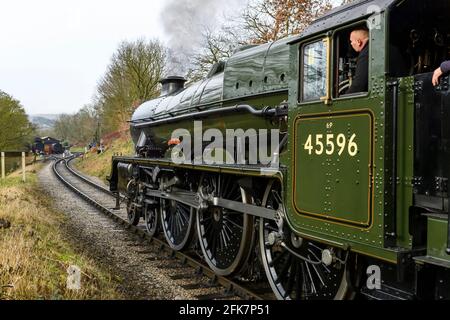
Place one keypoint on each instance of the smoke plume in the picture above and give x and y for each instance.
(184, 22)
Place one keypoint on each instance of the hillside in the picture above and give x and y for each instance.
(99, 165)
(43, 121)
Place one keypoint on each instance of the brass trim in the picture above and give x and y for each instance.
(320, 217)
(327, 98)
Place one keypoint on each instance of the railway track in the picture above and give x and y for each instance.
(183, 265)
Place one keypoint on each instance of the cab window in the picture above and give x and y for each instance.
(314, 66)
(350, 66)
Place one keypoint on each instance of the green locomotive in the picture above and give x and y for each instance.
(354, 198)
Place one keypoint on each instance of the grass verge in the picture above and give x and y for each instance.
(99, 165)
(34, 255)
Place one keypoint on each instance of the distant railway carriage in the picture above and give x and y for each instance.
(357, 184)
(47, 145)
(57, 148)
(38, 145)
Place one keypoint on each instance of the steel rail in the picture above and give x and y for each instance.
(229, 285)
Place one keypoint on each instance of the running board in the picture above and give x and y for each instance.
(386, 293)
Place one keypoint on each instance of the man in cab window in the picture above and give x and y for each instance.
(444, 68)
(359, 40)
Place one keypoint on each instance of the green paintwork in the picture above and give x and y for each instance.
(257, 70)
(228, 169)
(162, 134)
(405, 161)
(342, 200)
(265, 66)
(249, 74)
(328, 182)
(349, 200)
(437, 239)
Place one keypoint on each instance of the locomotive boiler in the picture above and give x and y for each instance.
(355, 185)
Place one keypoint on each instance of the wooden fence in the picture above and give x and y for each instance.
(13, 154)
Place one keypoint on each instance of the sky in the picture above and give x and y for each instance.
(53, 52)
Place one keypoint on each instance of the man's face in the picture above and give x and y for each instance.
(355, 41)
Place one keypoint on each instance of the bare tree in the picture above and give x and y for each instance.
(216, 46)
(270, 20)
(77, 128)
(261, 22)
(132, 78)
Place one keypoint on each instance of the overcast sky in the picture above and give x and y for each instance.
(53, 52)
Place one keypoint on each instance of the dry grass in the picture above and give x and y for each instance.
(34, 256)
(30, 171)
(99, 165)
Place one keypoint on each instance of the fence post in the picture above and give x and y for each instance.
(3, 166)
(24, 167)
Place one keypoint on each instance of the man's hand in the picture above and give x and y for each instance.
(437, 74)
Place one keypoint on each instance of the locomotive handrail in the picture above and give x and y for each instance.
(447, 250)
(327, 98)
(266, 112)
(199, 107)
(391, 230)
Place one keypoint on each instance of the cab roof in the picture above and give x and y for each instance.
(344, 14)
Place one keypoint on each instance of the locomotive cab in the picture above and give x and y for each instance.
(369, 171)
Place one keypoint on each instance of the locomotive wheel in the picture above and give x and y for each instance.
(177, 221)
(225, 236)
(294, 278)
(133, 209)
(133, 213)
(151, 219)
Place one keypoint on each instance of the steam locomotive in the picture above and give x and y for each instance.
(350, 195)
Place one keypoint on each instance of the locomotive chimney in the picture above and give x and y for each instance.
(171, 85)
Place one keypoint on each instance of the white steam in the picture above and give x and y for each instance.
(184, 21)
